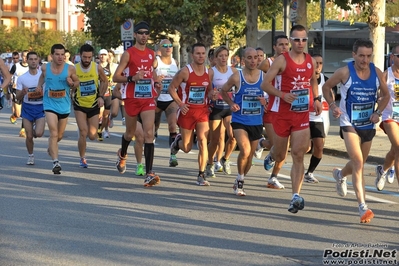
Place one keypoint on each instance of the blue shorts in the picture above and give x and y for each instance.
(32, 112)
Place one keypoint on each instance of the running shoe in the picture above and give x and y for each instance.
(259, 149)
(22, 133)
(123, 121)
(268, 163)
(151, 180)
(296, 204)
(110, 121)
(274, 183)
(391, 175)
(13, 119)
(173, 161)
(380, 179)
(155, 137)
(100, 135)
(201, 180)
(31, 160)
(174, 148)
(56, 168)
(210, 170)
(140, 170)
(226, 166)
(341, 186)
(121, 162)
(218, 167)
(309, 177)
(106, 134)
(83, 163)
(238, 188)
(365, 215)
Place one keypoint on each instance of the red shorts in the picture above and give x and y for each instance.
(387, 121)
(268, 117)
(285, 123)
(193, 116)
(134, 107)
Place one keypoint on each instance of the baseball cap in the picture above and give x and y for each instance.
(141, 25)
(103, 51)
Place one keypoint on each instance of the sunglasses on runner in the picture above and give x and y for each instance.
(167, 45)
(143, 32)
(299, 39)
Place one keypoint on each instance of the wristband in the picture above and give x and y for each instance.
(102, 97)
(331, 104)
(282, 97)
(130, 79)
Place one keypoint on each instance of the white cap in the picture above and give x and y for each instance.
(103, 51)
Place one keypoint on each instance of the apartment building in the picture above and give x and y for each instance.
(42, 14)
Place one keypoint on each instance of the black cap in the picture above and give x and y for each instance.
(141, 25)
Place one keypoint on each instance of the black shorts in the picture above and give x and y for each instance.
(364, 134)
(107, 102)
(59, 116)
(219, 114)
(163, 105)
(90, 112)
(254, 132)
(317, 130)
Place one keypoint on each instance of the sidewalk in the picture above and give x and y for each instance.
(335, 145)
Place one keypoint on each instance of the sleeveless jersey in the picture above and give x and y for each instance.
(144, 88)
(219, 79)
(391, 111)
(168, 71)
(30, 81)
(358, 98)
(312, 114)
(56, 96)
(19, 70)
(251, 110)
(86, 94)
(295, 79)
(194, 90)
(271, 98)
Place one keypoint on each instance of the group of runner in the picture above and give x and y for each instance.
(282, 94)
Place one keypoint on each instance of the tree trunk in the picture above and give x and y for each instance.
(251, 33)
(377, 32)
(302, 18)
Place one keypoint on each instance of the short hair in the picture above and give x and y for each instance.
(259, 49)
(31, 53)
(393, 50)
(362, 43)
(211, 53)
(297, 27)
(111, 52)
(317, 55)
(196, 45)
(86, 48)
(220, 49)
(15, 53)
(279, 37)
(67, 51)
(57, 46)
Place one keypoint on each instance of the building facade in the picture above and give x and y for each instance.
(61, 15)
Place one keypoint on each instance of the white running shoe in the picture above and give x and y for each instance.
(106, 134)
(341, 186)
(218, 167)
(238, 188)
(210, 170)
(259, 149)
(391, 175)
(274, 183)
(381, 178)
(31, 160)
(309, 177)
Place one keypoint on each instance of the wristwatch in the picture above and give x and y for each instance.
(318, 98)
(378, 112)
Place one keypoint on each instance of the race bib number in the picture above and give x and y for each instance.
(143, 89)
(361, 113)
(301, 103)
(87, 88)
(56, 93)
(196, 95)
(165, 85)
(251, 105)
(34, 96)
(395, 111)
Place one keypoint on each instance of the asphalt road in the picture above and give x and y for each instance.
(96, 216)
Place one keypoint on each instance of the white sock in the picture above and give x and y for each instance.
(240, 177)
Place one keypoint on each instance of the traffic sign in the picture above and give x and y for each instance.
(127, 44)
(127, 30)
